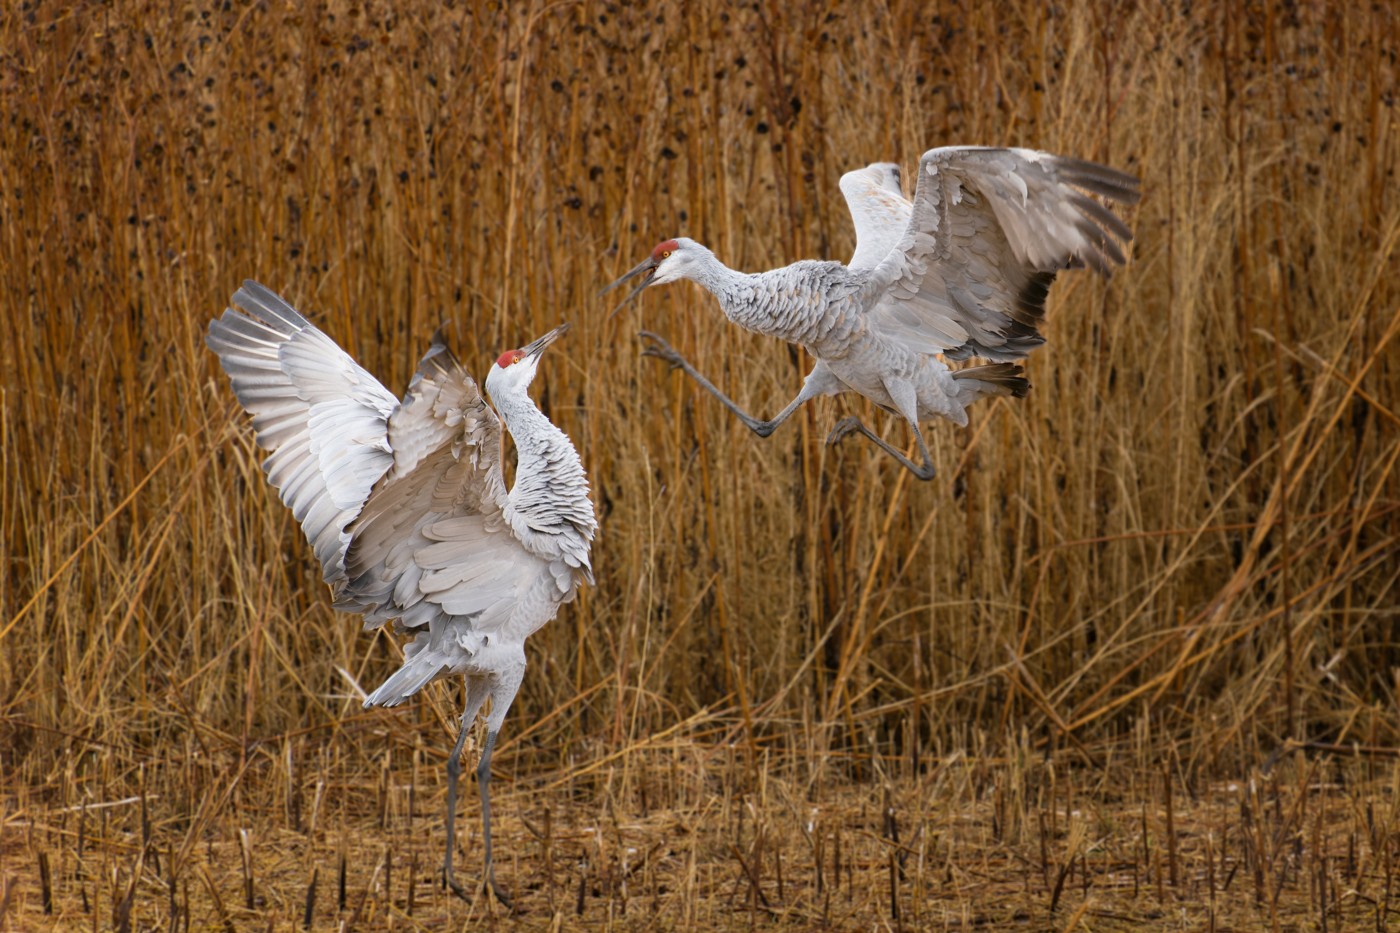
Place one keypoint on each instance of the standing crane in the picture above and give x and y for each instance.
(962, 271)
(405, 506)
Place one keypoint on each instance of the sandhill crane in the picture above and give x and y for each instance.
(406, 508)
(960, 272)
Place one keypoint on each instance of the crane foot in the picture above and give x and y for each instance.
(506, 901)
(453, 885)
(489, 885)
(661, 350)
(845, 427)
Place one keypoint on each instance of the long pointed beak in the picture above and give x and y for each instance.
(648, 266)
(534, 349)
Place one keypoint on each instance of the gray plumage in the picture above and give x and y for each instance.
(960, 272)
(405, 505)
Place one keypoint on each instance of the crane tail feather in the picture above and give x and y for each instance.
(994, 379)
(416, 673)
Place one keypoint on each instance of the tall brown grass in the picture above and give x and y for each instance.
(1182, 543)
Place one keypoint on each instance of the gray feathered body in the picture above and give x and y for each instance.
(821, 306)
(960, 272)
(548, 507)
(489, 578)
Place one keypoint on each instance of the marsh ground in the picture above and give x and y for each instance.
(1167, 574)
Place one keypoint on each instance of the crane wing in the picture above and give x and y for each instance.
(322, 417)
(879, 210)
(989, 230)
(432, 539)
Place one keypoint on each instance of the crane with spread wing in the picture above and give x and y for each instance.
(405, 505)
(961, 272)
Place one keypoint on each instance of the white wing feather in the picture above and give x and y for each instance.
(879, 210)
(321, 416)
(989, 230)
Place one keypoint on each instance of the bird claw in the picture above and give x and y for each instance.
(453, 885)
(506, 901)
(456, 887)
(845, 427)
(661, 350)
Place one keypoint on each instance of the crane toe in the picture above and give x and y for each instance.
(660, 349)
(455, 886)
(845, 427)
(506, 901)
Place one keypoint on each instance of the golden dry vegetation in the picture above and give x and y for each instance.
(1130, 661)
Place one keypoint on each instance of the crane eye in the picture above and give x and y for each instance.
(666, 255)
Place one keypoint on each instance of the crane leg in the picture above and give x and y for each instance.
(476, 695)
(818, 383)
(853, 425)
(905, 400)
(503, 690)
(483, 778)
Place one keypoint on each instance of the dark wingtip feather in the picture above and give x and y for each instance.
(1102, 216)
(1007, 376)
(1100, 179)
(438, 359)
(1031, 300)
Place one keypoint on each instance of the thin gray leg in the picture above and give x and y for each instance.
(852, 424)
(503, 687)
(477, 691)
(454, 768)
(483, 778)
(664, 351)
(906, 402)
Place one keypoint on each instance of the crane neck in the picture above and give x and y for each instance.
(548, 504)
(800, 303)
(739, 293)
(714, 276)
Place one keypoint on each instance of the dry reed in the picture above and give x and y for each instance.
(804, 687)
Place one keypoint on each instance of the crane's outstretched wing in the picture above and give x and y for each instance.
(879, 209)
(989, 230)
(322, 417)
(431, 540)
(433, 550)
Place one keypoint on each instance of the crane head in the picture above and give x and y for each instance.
(665, 264)
(515, 369)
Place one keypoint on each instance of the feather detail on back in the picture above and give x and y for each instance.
(548, 507)
(432, 527)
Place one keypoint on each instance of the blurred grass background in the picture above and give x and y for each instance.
(1181, 546)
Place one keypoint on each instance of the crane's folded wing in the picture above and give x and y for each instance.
(434, 541)
(432, 538)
